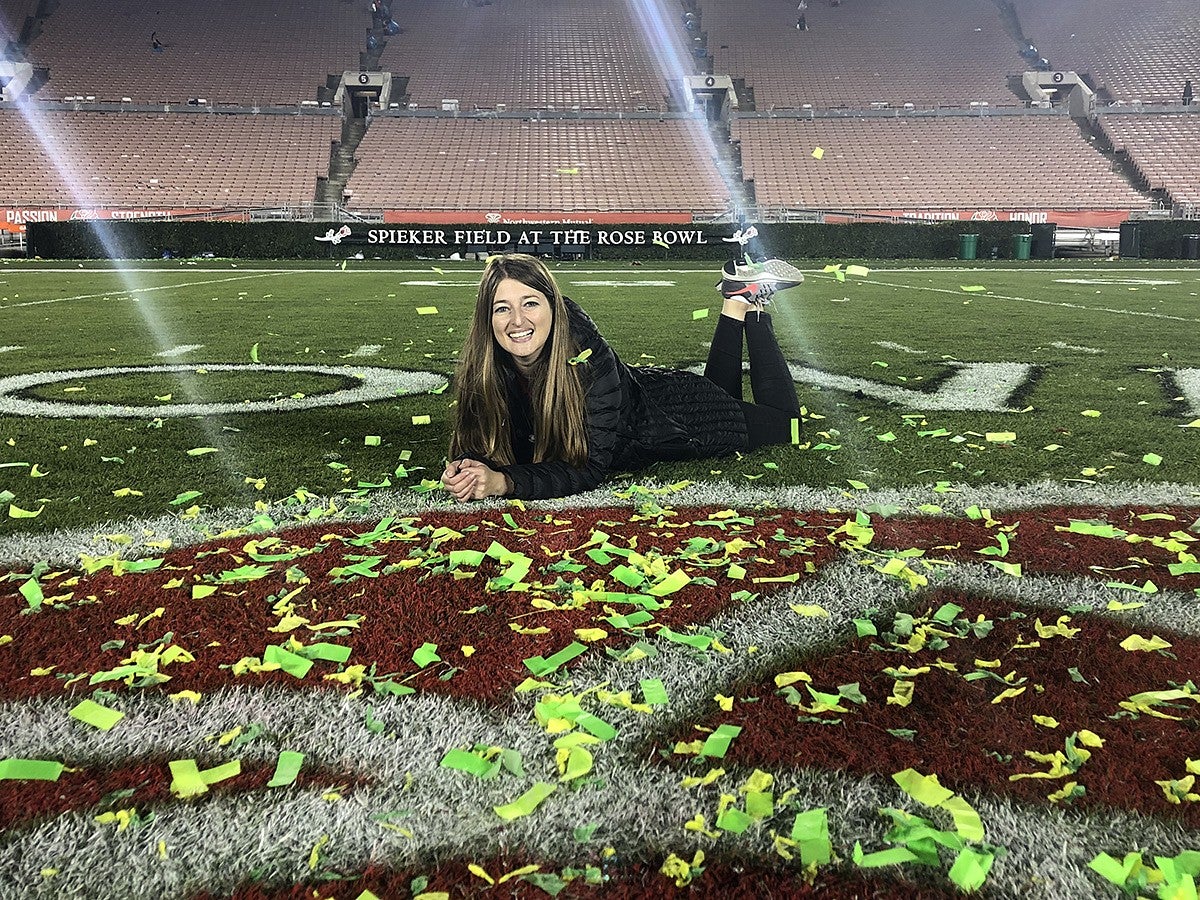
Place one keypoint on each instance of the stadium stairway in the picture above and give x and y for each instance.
(1096, 136)
(332, 188)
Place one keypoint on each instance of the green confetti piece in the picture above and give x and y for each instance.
(563, 656)
(286, 768)
(464, 761)
(426, 654)
(865, 628)
(860, 271)
(885, 438)
(811, 832)
(186, 780)
(966, 819)
(922, 788)
(699, 314)
(795, 431)
(222, 772)
(1013, 569)
(372, 440)
(526, 803)
(32, 592)
(736, 572)
(421, 420)
(717, 743)
(971, 288)
(734, 821)
(669, 585)
(581, 358)
(16, 769)
(472, 559)
(200, 591)
(1111, 870)
(760, 804)
(654, 692)
(92, 713)
(1152, 459)
(427, 310)
(328, 652)
(186, 497)
(294, 664)
(1103, 529)
(698, 641)
(595, 726)
(202, 451)
(627, 576)
(633, 620)
(970, 869)
(16, 512)
(895, 856)
(1091, 413)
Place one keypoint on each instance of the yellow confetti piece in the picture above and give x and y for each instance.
(785, 678)
(818, 153)
(589, 635)
(902, 693)
(726, 703)
(427, 310)
(1000, 437)
(1136, 642)
(1091, 413)
(810, 611)
(467, 650)
(1046, 721)
(314, 857)
(421, 420)
(1008, 693)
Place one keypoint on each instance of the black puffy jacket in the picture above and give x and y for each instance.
(635, 417)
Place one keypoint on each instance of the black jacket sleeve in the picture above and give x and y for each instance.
(605, 403)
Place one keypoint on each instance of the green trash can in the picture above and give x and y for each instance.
(1021, 245)
(968, 246)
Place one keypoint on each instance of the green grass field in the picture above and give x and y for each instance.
(1098, 389)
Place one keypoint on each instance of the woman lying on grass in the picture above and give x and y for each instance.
(546, 408)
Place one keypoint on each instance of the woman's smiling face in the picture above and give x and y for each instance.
(521, 320)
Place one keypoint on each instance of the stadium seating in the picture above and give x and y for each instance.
(144, 159)
(527, 54)
(1140, 51)
(511, 164)
(13, 14)
(936, 52)
(1165, 149)
(1006, 162)
(275, 52)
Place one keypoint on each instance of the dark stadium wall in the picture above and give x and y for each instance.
(323, 240)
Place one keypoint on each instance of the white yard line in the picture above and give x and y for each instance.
(180, 350)
(993, 296)
(141, 290)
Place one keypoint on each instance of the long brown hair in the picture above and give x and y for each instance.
(481, 416)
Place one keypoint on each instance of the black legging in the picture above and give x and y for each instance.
(769, 418)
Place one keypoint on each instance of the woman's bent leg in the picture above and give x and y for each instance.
(765, 426)
(724, 366)
(770, 378)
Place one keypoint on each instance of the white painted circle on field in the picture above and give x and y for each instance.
(1114, 280)
(373, 384)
